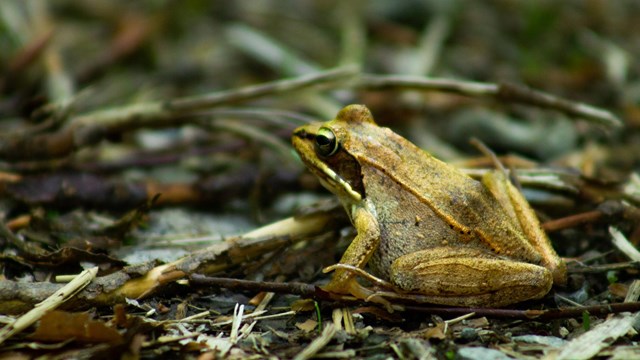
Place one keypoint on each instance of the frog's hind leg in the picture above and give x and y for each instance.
(469, 277)
(517, 207)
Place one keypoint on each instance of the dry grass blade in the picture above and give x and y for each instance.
(268, 50)
(621, 242)
(587, 345)
(318, 343)
(634, 292)
(447, 323)
(238, 311)
(52, 302)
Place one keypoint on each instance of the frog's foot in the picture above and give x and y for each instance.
(360, 272)
(352, 286)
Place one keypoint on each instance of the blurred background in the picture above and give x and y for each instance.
(64, 64)
(121, 53)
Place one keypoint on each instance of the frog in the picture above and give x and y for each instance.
(424, 226)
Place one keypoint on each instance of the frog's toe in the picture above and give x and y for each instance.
(353, 287)
(336, 288)
(368, 295)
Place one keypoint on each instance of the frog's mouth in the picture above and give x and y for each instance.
(303, 143)
(333, 180)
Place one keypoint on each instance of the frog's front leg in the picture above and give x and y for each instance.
(357, 254)
(469, 277)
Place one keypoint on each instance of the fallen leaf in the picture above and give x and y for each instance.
(436, 332)
(307, 326)
(62, 325)
(303, 305)
(477, 322)
(618, 289)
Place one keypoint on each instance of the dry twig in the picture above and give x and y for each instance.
(135, 282)
(504, 92)
(56, 299)
(317, 293)
(86, 130)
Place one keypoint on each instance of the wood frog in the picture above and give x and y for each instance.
(423, 225)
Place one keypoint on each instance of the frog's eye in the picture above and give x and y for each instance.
(326, 142)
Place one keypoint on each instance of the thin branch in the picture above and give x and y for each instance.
(88, 129)
(572, 220)
(596, 269)
(503, 92)
(202, 102)
(561, 313)
(315, 292)
(301, 289)
(525, 95)
(406, 82)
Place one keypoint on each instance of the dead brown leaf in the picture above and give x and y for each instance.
(307, 326)
(62, 325)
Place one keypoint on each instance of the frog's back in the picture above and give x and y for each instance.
(428, 203)
(406, 224)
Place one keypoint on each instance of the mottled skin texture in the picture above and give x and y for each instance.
(424, 225)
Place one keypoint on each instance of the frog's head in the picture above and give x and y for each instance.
(324, 148)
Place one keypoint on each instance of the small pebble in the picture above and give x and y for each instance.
(468, 334)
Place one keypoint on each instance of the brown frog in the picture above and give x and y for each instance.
(422, 224)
